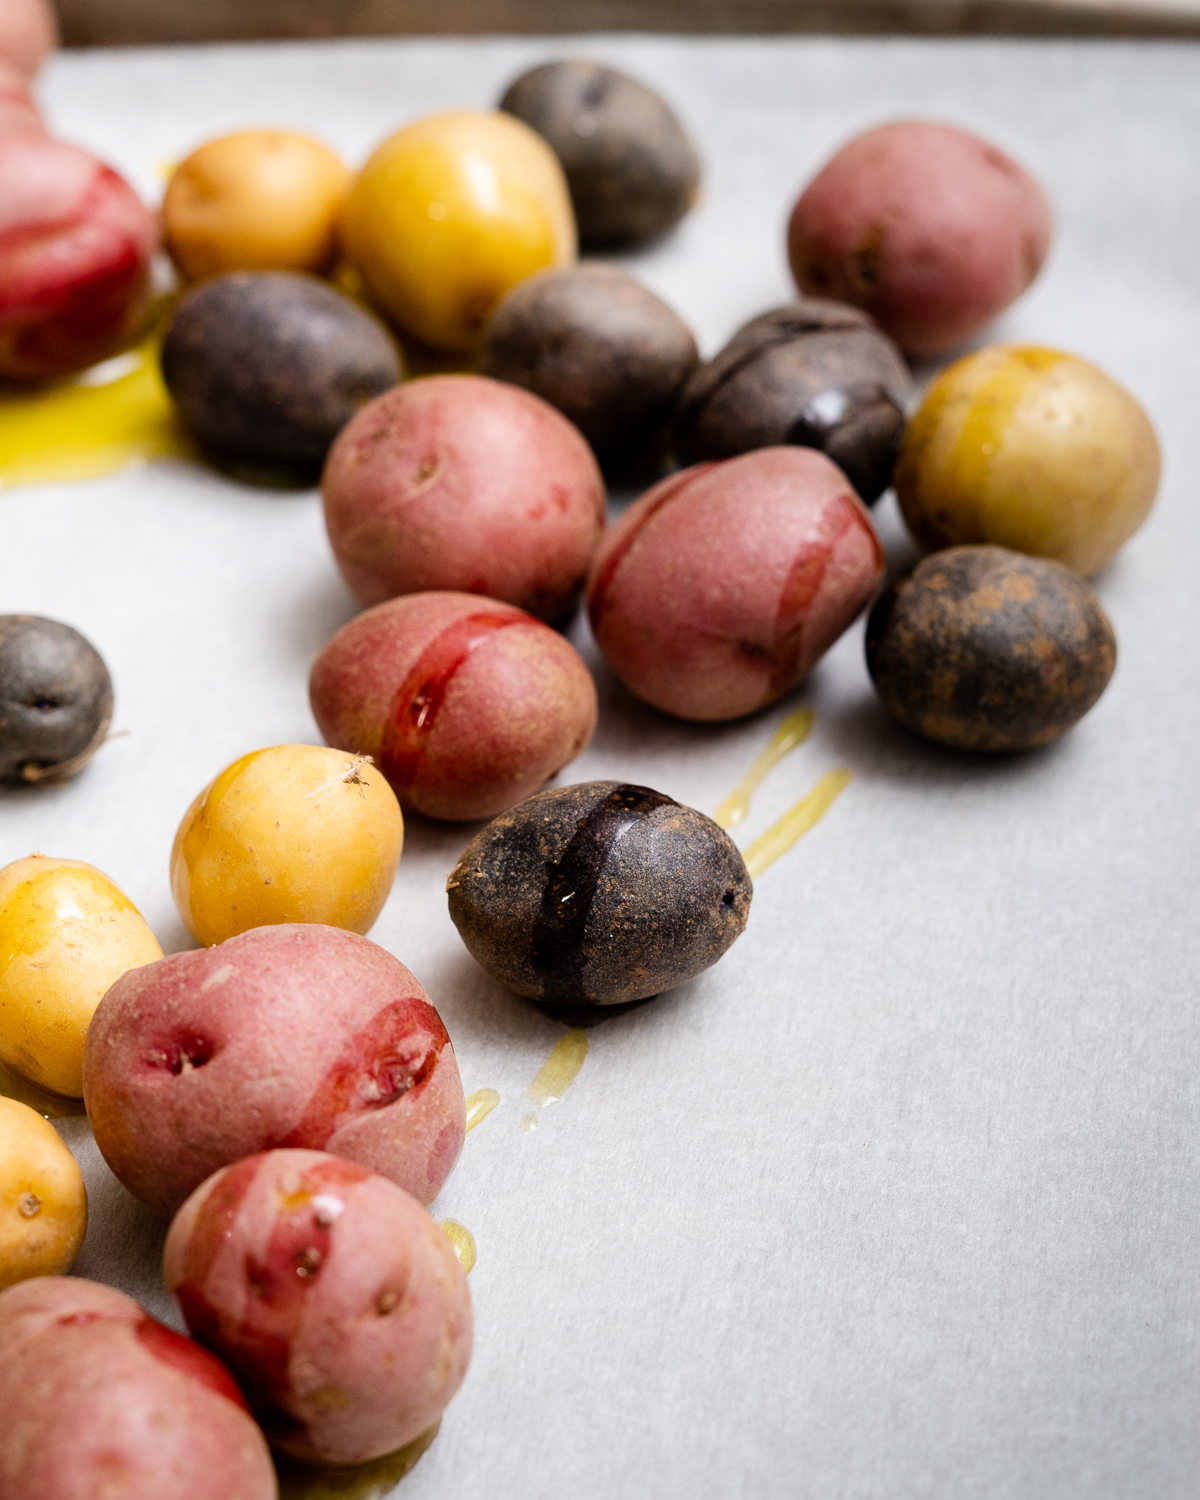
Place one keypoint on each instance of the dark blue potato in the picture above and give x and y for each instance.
(815, 373)
(56, 699)
(985, 649)
(269, 366)
(599, 894)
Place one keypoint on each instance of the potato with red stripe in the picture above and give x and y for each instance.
(467, 705)
(301, 1036)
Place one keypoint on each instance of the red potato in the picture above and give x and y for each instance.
(18, 110)
(928, 228)
(719, 589)
(332, 1294)
(296, 1035)
(101, 1399)
(75, 248)
(28, 33)
(466, 705)
(463, 483)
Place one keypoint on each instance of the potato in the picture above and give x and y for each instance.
(66, 933)
(101, 1399)
(332, 1295)
(720, 588)
(983, 649)
(28, 33)
(928, 228)
(269, 366)
(18, 108)
(467, 705)
(598, 894)
(610, 355)
(56, 699)
(450, 213)
(464, 484)
(182, 1070)
(262, 200)
(1031, 449)
(295, 833)
(815, 373)
(43, 1202)
(632, 171)
(75, 247)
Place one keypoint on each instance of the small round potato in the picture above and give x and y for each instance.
(56, 699)
(43, 1202)
(632, 171)
(597, 345)
(67, 933)
(450, 213)
(100, 1399)
(296, 833)
(984, 649)
(928, 228)
(28, 33)
(468, 485)
(332, 1295)
(263, 200)
(467, 705)
(269, 366)
(1030, 449)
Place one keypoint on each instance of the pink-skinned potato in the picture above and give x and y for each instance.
(333, 1296)
(297, 1035)
(720, 588)
(28, 33)
(461, 483)
(930, 229)
(19, 114)
(99, 1398)
(75, 248)
(466, 705)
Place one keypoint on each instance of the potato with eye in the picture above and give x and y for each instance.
(43, 1202)
(56, 699)
(262, 200)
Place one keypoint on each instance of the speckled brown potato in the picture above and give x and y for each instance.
(56, 699)
(818, 374)
(928, 228)
(599, 346)
(599, 894)
(632, 171)
(466, 705)
(269, 366)
(984, 649)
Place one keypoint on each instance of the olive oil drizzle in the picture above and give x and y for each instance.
(479, 1105)
(556, 1075)
(795, 823)
(793, 731)
(463, 1241)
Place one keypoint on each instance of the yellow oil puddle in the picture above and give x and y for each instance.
(556, 1075)
(52, 1106)
(479, 1105)
(791, 732)
(795, 823)
(372, 1481)
(463, 1241)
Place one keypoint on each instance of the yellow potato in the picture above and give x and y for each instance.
(66, 934)
(265, 200)
(297, 833)
(1030, 449)
(449, 214)
(43, 1203)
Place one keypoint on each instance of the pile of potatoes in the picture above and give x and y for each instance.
(467, 513)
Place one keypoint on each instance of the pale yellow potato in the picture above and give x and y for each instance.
(264, 200)
(296, 833)
(452, 212)
(66, 934)
(1031, 449)
(43, 1202)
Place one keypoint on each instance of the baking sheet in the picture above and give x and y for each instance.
(902, 1198)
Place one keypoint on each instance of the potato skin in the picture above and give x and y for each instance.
(720, 588)
(18, 107)
(465, 484)
(43, 1202)
(599, 894)
(980, 648)
(466, 705)
(596, 344)
(28, 33)
(1031, 449)
(333, 1296)
(269, 366)
(97, 1394)
(816, 373)
(632, 171)
(56, 699)
(926, 227)
(182, 1070)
